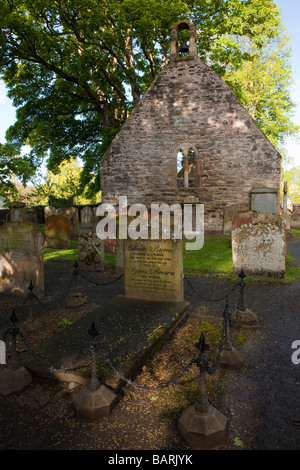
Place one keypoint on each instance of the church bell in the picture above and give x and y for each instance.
(184, 47)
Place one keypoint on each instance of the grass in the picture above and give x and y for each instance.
(213, 260)
(54, 254)
(295, 232)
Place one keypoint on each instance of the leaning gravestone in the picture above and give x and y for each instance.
(153, 270)
(58, 232)
(21, 258)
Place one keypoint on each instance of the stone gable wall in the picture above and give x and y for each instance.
(190, 105)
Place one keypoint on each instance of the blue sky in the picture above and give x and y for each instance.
(290, 10)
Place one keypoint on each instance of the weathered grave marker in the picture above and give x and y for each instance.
(87, 217)
(58, 232)
(91, 251)
(21, 258)
(70, 212)
(17, 212)
(264, 200)
(259, 244)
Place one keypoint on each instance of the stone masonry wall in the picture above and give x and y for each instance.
(190, 105)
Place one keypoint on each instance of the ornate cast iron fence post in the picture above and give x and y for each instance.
(241, 306)
(94, 383)
(96, 400)
(13, 331)
(230, 357)
(202, 363)
(31, 323)
(243, 317)
(13, 377)
(74, 297)
(201, 425)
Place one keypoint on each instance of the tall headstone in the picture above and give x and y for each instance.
(21, 258)
(58, 232)
(259, 245)
(153, 270)
(87, 217)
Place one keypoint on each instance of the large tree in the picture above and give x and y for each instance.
(75, 68)
(263, 85)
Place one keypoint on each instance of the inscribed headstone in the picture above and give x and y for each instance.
(264, 200)
(57, 231)
(153, 270)
(21, 258)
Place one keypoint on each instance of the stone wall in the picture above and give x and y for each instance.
(190, 107)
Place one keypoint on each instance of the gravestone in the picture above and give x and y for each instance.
(30, 215)
(58, 232)
(91, 251)
(17, 212)
(295, 222)
(263, 200)
(70, 212)
(229, 213)
(87, 217)
(21, 258)
(153, 270)
(259, 244)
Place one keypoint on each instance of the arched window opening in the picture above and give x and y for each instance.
(191, 168)
(187, 164)
(183, 43)
(180, 169)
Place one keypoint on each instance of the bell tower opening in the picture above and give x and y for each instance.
(183, 41)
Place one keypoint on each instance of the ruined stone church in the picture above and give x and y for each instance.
(190, 140)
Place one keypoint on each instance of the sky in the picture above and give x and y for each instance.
(290, 10)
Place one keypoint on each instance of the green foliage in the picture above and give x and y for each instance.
(239, 443)
(292, 176)
(75, 69)
(262, 85)
(66, 322)
(63, 188)
(13, 166)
